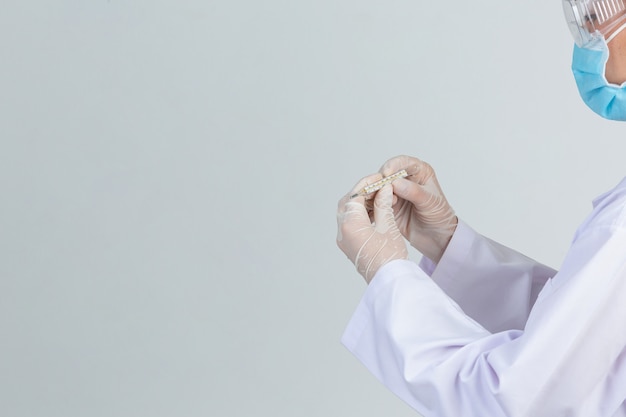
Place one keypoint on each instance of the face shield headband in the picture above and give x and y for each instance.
(589, 20)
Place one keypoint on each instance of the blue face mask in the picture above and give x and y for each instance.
(607, 100)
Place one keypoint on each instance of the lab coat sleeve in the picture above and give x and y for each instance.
(567, 361)
(492, 283)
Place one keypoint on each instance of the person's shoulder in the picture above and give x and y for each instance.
(609, 208)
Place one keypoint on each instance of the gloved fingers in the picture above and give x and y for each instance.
(419, 172)
(383, 211)
(368, 199)
(353, 213)
(416, 168)
(363, 182)
(413, 192)
(398, 163)
(369, 244)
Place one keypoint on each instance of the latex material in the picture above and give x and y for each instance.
(369, 244)
(422, 212)
(605, 99)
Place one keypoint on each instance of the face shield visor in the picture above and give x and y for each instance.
(589, 20)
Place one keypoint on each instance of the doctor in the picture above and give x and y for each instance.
(477, 329)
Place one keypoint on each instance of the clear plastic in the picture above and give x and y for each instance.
(590, 19)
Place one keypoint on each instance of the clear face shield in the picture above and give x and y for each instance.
(590, 20)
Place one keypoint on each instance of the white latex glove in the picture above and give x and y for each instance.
(422, 212)
(369, 245)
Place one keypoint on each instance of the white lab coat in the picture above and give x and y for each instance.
(489, 332)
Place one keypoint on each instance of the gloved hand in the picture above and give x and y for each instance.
(369, 245)
(422, 212)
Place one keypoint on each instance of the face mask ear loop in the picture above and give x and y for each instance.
(614, 34)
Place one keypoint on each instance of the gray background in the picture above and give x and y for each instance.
(169, 173)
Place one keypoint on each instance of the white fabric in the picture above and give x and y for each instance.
(472, 340)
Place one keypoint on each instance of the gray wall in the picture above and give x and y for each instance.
(169, 172)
